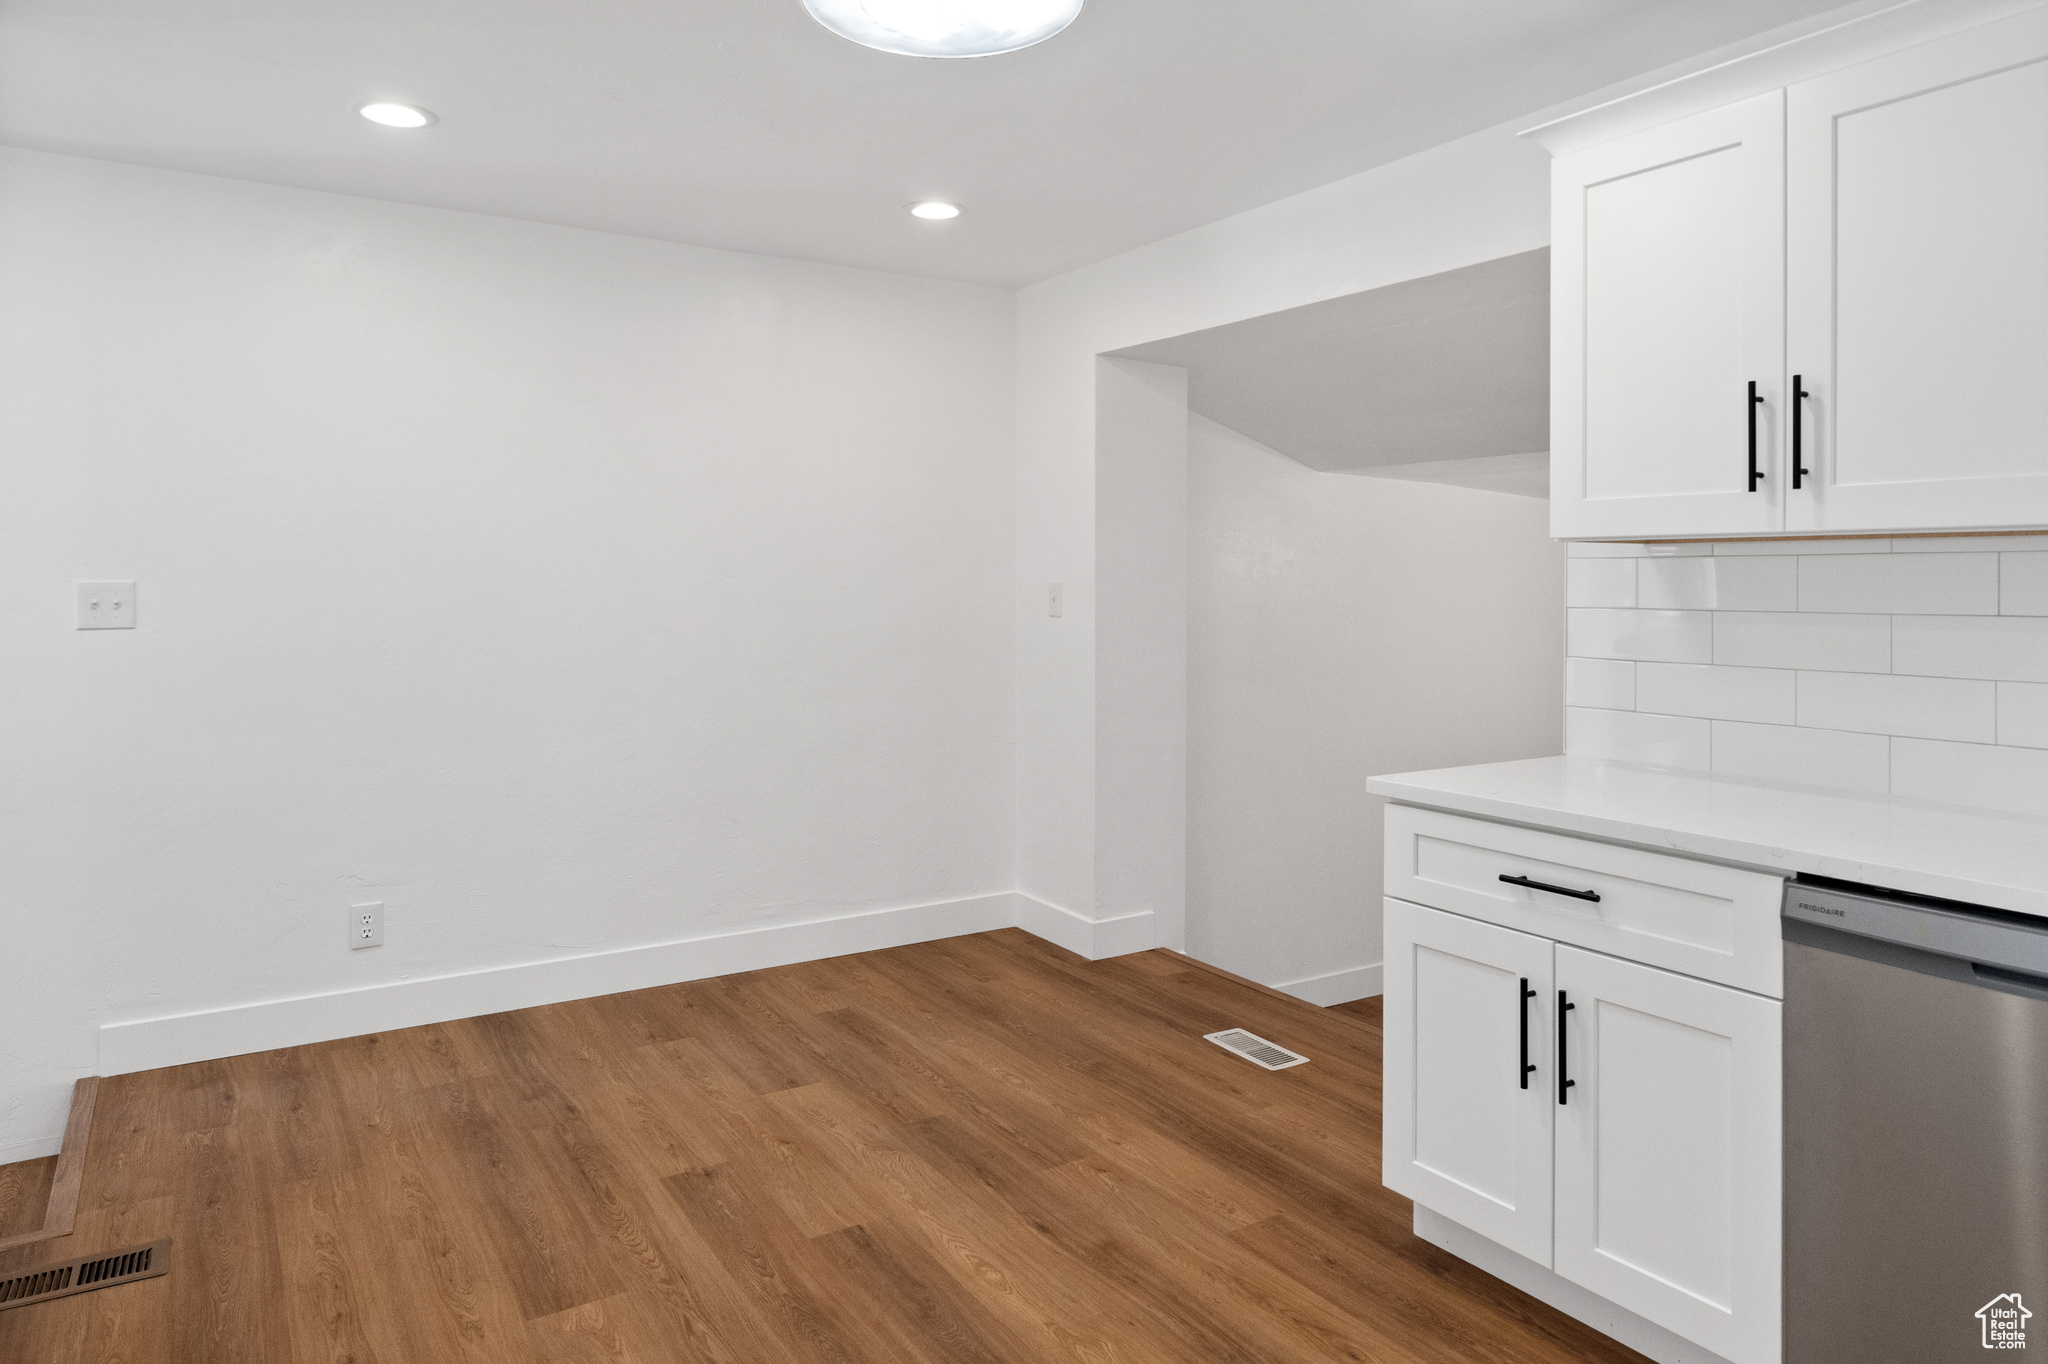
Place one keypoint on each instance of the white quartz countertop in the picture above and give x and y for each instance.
(1979, 856)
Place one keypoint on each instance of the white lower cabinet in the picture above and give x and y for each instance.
(1668, 1151)
(1638, 1159)
(1467, 1129)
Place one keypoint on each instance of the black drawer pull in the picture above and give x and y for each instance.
(1592, 895)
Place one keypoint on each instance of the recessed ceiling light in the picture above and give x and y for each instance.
(396, 115)
(945, 28)
(934, 210)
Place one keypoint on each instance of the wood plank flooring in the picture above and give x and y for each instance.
(24, 1193)
(977, 1151)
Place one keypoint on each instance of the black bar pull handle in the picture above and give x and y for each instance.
(1527, 995)
(1799, 397)
(1592, 895)
(1564, 1007)
(1755, 401)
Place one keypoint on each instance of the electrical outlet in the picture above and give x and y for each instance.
(366, 925)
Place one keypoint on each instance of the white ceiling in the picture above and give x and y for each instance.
(1448, 368)
(1522, 475)
(743, 124)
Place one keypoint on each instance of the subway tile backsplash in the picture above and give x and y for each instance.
(1826, 641)
(1755, 584)
(1656, 636)
(1917, 668)
(1926, 584)
(1633, 737)
(1605, 683)
(1998, 649)
(2023, 589)
(1791, 755)
(2022, 714)
(1891, 703)
(1760, 695)
(1987, 775)
(1603, 582)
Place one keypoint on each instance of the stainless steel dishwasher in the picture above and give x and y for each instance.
(1916, 1128)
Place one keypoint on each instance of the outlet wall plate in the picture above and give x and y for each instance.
(106, 606)
(366, 925)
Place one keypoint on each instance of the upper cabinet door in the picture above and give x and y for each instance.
(1668, 1161)
(1466, 1126)
(1668, 303)
(1918, 285)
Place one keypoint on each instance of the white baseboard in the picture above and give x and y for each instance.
(147, 1043)
(1638, 1333)
(1337, 987)
(31, 1150)
(1095, 939)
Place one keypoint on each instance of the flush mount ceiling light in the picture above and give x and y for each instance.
(396, 115)
(933, 211)
(945, 28)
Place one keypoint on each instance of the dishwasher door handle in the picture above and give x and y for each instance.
(2006, 980)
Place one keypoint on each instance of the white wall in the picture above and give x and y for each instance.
(1141, 628)
(568, 593)
(1341, 627)
(1914, 667)
(1476, 199)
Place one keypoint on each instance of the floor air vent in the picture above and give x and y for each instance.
(83, 1276)
(1255, 1049)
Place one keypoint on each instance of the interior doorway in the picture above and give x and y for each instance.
(1370, 587)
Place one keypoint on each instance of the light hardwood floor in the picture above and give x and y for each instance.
(977, 1151)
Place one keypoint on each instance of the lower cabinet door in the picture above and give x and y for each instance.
(1668, 1158)
(1467, 1100)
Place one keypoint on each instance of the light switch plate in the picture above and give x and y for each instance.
(106, 606)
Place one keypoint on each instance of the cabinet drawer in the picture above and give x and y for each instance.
(1697, 918)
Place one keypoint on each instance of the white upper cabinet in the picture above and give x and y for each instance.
(1667, 306)
(1918, 319)
(1866, 216)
